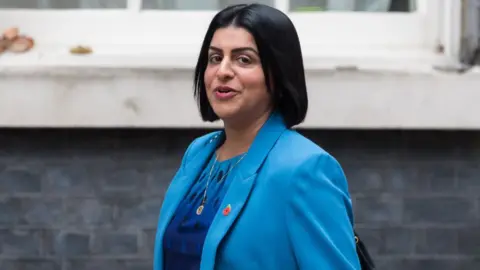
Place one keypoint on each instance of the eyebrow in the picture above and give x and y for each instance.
(236, 50)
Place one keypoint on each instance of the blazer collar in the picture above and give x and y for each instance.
(244, 176)
(258, 151)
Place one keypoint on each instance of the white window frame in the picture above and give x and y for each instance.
(171, 39)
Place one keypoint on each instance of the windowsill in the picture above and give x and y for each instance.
(185, 56)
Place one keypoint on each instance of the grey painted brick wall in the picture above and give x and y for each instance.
(86, 199)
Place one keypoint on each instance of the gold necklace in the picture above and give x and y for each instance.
(204, 199)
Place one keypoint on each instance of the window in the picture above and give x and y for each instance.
(168, 33)
(294, 5)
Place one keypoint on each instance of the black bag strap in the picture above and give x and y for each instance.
(366, 260)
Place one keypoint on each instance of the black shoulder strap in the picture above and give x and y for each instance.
(366, 260)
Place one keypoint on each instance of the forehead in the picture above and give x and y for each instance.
(232, 37)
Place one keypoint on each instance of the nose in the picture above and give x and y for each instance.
(225, 70)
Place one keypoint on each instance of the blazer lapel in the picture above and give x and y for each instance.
(177, 190)
(244, 177)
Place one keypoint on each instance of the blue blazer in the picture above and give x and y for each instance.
(289, 201)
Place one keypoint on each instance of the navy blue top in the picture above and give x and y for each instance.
(185, 235)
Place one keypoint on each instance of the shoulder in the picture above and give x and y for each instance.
(294, 149)
(310, 174)
(294, 156)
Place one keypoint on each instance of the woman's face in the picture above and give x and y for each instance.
(234, 79)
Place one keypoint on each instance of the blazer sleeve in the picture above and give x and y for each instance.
(319, 216)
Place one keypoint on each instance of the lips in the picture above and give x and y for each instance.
(224, 89)
(224, 92)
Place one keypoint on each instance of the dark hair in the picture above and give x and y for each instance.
(280, 54)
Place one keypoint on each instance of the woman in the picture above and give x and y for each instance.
(256, 195)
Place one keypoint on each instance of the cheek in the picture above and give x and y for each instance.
(208, 77)
(261, 92)
(256, 82)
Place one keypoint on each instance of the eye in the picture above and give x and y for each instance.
(244, 60)
(214, 59)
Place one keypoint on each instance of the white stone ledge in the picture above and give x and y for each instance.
(93, 97)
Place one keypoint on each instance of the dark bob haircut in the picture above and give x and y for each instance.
(280, 53)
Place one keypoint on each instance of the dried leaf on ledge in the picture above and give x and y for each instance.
(21, 44)
(11, 41)
(81, 50)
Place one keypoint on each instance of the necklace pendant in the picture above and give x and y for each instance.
(199, 210)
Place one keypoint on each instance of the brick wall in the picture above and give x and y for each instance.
(83, 199)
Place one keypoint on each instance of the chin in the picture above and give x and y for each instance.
(225, 113)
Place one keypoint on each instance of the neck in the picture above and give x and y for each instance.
(240, 137)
